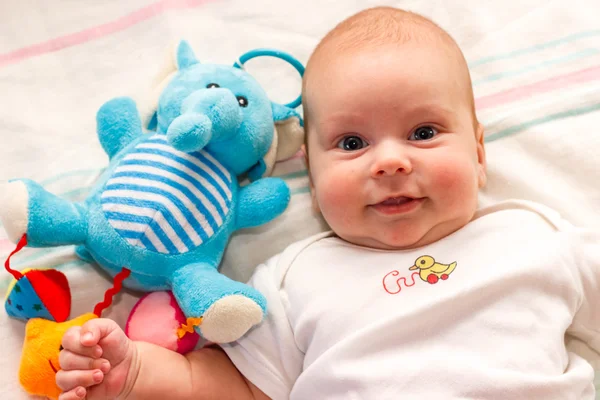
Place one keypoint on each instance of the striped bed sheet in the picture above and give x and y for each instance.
(535, 67)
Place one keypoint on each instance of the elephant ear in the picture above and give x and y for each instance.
(287, 139)
(289, 128)
(185, 55)
(178, 56)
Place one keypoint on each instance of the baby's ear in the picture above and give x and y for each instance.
(481, 160)
(311, 186)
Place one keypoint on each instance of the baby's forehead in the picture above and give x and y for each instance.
(434, 42)
(355, 43)
(389, 64)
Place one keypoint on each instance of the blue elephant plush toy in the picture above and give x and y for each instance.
(169, 200)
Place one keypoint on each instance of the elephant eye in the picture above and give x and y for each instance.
(242, 101)
(212, 85)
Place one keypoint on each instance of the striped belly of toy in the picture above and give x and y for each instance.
(165, 200)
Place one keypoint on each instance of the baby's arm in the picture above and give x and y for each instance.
(202, 374)
(138, 370)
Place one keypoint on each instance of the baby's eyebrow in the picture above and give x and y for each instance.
(340, 121)
(428, 109)
(344, 117)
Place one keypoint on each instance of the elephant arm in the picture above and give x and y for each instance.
(261, 201)
(118, 124)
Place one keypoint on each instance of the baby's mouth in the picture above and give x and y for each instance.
(396, 201)
(398, 205)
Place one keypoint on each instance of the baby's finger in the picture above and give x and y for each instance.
(76, 394)
(96, 329)
(72, 361)
(68, 380)
(72, 341)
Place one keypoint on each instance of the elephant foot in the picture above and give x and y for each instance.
(14, 200)
(229, 318)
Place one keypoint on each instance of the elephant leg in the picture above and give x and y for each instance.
(156, 318)
(48, 220)
(228, 308)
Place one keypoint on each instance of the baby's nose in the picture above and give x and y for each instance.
(390, 162)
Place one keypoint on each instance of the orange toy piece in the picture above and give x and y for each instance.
(39, 361)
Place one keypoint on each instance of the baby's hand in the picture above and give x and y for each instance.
(95, 361)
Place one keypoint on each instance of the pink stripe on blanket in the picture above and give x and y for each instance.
(6, 246)
(98, 31)
(547, 85)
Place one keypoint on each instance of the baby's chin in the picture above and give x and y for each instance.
(387, 244)
(403, 241)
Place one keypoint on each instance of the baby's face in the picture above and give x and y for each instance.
(395, 157)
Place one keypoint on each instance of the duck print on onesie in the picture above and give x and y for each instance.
(426, 268)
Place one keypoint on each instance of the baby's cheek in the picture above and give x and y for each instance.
(335, 198)
(455, 180)
(448, 178)
(331, 197)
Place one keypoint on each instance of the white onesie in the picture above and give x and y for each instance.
(480, 314)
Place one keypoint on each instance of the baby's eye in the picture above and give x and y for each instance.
(352, 143)
(423, 133)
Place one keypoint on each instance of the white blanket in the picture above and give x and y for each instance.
(535, 66)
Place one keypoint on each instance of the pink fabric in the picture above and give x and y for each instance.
(156, 318)
(6, 245)
(153, 319)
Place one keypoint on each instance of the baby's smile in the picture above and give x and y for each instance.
(397, 205)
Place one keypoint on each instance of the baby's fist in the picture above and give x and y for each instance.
(95, 361)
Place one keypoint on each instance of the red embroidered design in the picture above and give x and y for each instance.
(428, 270)
(387, 285)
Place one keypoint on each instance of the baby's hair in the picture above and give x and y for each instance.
(381, 25)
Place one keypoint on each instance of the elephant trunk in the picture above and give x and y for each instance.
(207, 116)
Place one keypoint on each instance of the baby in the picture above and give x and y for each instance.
(416, 293)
